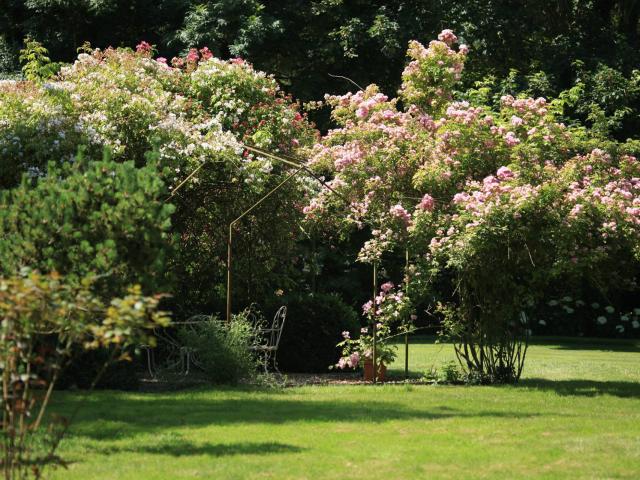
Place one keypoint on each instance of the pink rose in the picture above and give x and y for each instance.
(427, 203)
(504, 173)
(447, 36)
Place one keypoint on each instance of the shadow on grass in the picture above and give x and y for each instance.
(182, 448)
(584, 388)
(116, 416)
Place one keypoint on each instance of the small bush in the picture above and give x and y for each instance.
(312, 330)
(449, 373)
(222, 350)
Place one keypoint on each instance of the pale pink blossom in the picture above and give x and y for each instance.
(447, 36)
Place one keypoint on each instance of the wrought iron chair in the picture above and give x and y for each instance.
(269, 340)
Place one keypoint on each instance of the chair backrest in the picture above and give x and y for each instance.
(277, 326)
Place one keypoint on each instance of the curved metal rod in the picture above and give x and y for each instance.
(230, 238)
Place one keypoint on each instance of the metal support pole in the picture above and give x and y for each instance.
(373, 328)
(230, 239)
(229, 257)
(406, 335)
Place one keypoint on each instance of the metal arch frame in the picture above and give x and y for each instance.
(300, 167)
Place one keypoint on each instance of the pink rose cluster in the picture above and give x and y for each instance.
(144, 48)
(447, 36)
(427, 203)
(398, 211)
(352, 361)
(347, 155)
(193, 57)
(620, 195)
(462, 112)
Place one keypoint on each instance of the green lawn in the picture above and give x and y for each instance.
(576, 414)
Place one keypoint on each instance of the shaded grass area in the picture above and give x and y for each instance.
(576, 414)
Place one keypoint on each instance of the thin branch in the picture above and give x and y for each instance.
(345, 78)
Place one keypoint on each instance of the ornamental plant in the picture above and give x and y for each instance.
(357, 351)
(495, 207)
(195, 112)
(45, 319)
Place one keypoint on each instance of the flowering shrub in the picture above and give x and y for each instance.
(495, 207)
(193, 112)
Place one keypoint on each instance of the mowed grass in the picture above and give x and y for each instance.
(576, 414)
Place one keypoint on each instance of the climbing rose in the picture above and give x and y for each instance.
(206, 53)
(399, 212)
(354, 359)
(447, 36)
(504, 173)
(385, 287)
(144, 48)
(427, 203)
(192, 56)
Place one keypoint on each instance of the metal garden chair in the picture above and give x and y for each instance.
(178, 358)
(269, 339)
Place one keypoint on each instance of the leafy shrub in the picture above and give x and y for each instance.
(448, 373)
(8, 60)
(312, 330)
(88, 217)
(222, 350)
(46, 320)
(36, 64)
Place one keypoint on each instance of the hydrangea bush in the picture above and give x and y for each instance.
(496, 208)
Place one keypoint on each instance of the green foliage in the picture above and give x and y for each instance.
(36, 64)
(89, 217)
(45, 321)
(222, 350)
(312, 330)
(8, 59)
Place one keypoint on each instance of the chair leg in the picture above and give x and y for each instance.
(150, 363)
(275, 361)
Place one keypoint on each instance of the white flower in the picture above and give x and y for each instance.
(552, 303)
(624, 318)
(601, 320)
(619, 328)
(542, 322)
(635, 323)
(595, 305)
(609, 309)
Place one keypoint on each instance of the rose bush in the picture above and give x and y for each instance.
(495, 207)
